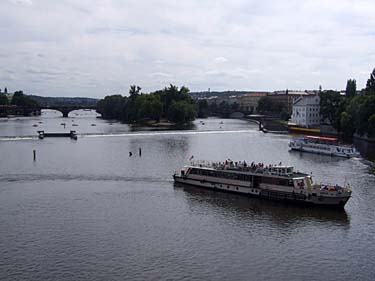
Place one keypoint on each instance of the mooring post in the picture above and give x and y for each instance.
(34, 155)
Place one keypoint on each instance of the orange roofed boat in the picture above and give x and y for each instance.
(323, 145)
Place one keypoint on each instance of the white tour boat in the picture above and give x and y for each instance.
(275, 182)
(323, 145)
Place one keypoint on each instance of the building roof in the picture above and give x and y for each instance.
(256, 95)
(306, 100)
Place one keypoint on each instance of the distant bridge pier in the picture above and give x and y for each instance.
(65, 113)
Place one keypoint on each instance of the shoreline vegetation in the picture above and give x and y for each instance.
(351, 115)
(171, 105)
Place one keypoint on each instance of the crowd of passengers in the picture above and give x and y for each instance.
(243, 166)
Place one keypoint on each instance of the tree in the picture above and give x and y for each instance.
(3, 99)
(140, 106)
(370, 85)
(371, 126)
(331, 106)
(5, 90)
(134, 91)
(181, 112)
(235, 106)
(268, 105)
(351, 88)
(203, 109)
(347, 124)
(20, 99)
(111, 107)
(224, 108)
(265, 104)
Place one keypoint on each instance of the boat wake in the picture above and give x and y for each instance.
(70, 177)
(133, 134)
(137, 134)
(6, 138)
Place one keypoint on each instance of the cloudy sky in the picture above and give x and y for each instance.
(99, 47)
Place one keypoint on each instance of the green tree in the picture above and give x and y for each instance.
(370, 85)
(134, 91)
(111, 107)
(181, 111)
(371, 126)
(224, 108)
(331, 106)
(203, 109)
(3, 99)
(20, 99)
(268, 105)
(347, 124)
(351, 88)
(235, 106)
(264, 104)
(155, 105)
(213, 107)
(156, 108)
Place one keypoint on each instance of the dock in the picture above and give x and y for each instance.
(71, 134)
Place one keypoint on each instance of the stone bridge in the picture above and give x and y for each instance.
(66, 109)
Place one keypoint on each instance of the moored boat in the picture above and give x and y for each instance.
(323, 145)
(276, 182)
(71, 134)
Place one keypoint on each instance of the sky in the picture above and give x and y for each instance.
(93, 48)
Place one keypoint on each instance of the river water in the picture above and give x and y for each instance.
(85, 210)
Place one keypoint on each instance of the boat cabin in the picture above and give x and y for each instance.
(281, 170)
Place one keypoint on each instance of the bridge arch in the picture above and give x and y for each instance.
(65, 110)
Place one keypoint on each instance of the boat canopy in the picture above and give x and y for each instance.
(321, 138)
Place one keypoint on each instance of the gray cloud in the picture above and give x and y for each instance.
(93, 47)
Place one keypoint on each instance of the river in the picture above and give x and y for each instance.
(85, 210)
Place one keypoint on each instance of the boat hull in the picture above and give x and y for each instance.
(301, 149)
(288, 197)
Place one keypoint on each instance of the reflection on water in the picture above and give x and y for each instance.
(366, 148)
(142, 127)
(317, 158)
(256, 208)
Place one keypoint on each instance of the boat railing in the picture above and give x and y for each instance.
(335, 187)
(242, 166)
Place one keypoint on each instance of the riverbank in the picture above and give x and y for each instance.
(12, 110)
(163, 123)
(366, 146)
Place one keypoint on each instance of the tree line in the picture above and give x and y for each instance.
(18, 99)
(351, 114)
(171, 103)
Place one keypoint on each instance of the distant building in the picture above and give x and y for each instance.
(219, 99)
(306, 111)
(249, 102)
(286, 97)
